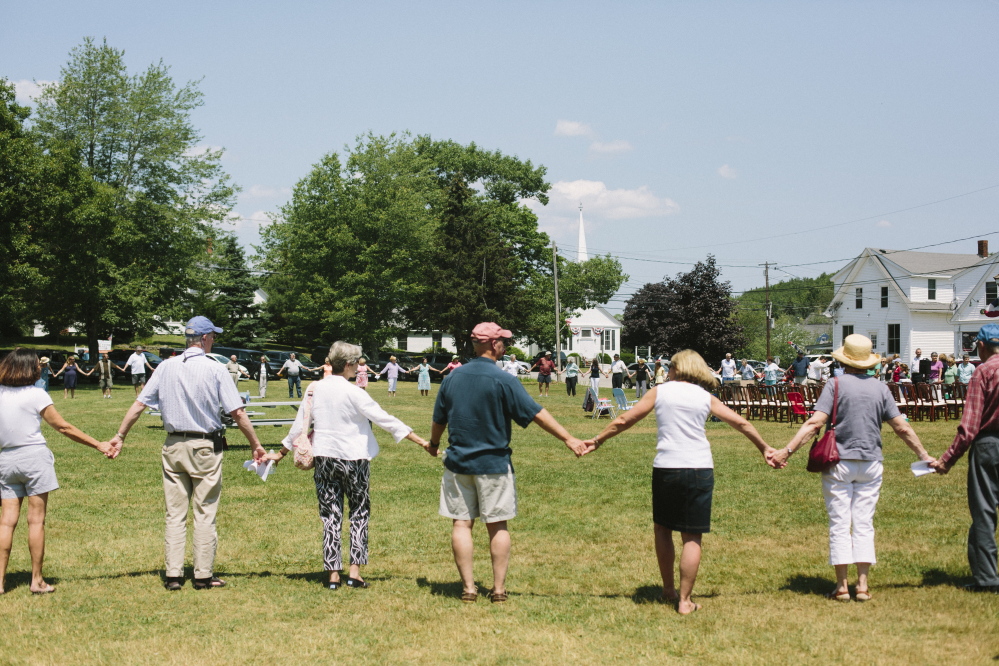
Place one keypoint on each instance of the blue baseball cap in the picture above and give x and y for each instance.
(989, 334)
(201, 326)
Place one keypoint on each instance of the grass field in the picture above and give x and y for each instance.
(583, 575)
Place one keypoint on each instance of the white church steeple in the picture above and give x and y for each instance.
(581, 255)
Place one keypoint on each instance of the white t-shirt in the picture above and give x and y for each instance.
(816, 368)
(681, 411)
(618, 366)
(137, 363)
(21, 415)
(728, 367)
(511, 367)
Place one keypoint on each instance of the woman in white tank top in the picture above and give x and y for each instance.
(683, 470)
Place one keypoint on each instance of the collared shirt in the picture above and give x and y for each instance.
(571, 370)
(800, 367)
(478, 405)
(293, 367)
(342, 415)
(104, 367)
(965, 371)
(727, 367)
(511, 368)
(191, 391)
(136, 363)
(545, 366)
(618, 367)
(981, 409)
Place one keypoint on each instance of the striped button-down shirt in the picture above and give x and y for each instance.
(981, 410)
(191, 391)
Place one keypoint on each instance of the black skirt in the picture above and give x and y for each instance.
(681, 499)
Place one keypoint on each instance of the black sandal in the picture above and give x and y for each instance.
(333, 585)
(208, 583)
(174, 583)
(356, 582)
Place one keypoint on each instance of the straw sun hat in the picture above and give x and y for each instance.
(856, 352)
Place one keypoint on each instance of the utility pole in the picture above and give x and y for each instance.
(558, 314)
(766, 278)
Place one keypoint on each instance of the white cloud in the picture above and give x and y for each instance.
(599, 202)
(883, 223)
(725, 171)
(265, 192)
(611, 147)
(572, 128)
(26, 91)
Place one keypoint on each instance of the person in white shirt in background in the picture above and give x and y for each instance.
(511, 367)
(964, 370)
(138, 363)
(342, 448)
(618, 370)
(816, 369)
(727, 370)
(294, 372)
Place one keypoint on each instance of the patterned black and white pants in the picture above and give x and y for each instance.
(335, 479)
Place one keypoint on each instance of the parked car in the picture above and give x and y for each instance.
(250, 358)
(167, 352)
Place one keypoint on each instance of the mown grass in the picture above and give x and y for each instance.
(583, 575)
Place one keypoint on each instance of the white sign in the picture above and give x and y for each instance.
(103, 346)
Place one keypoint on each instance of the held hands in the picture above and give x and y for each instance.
(591, 446)
(108, 449)
(258, 452)
(940, 466)
(577, 446)
(275, 457)
(115, 443)
(776, 458)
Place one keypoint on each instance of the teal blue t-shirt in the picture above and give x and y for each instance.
(477, 402)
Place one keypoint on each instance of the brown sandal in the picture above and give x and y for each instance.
(469, 597)
(839, 596)
(497, 597)
(863, 595)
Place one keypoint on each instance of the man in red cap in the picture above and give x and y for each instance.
(476, 404)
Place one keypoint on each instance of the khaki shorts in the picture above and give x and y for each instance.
(492, 497)
(106, 382)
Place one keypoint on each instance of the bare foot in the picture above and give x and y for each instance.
(45, 588)
(687, 607)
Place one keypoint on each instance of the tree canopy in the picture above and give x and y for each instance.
(694, 310)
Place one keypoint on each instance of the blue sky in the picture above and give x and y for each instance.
(683, 127)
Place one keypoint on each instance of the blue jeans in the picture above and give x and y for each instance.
(294, 382)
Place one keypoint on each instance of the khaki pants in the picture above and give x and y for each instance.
(192, 474)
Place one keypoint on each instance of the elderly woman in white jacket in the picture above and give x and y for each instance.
(343, 446)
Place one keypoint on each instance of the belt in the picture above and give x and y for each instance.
(190, 435)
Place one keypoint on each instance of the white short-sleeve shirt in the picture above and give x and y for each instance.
(681, 411)
(21, 410)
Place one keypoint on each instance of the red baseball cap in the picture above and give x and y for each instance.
(488, 330)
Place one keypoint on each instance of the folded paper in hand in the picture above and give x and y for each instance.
(921, 468)
(261, 468)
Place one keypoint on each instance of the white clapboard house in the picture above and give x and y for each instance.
(906, 300)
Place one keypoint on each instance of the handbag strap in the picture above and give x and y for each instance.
(307, 418)
(832, 423)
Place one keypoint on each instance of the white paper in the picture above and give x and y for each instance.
(921, 468)
(262, 469)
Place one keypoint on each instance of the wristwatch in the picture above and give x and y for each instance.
(789, 451)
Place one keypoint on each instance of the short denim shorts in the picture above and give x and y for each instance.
(681, 499)
(26, 471)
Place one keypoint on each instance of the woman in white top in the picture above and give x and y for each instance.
(343, 446)
(27, 467)
(683, 469)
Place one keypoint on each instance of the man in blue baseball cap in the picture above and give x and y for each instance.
(191, 392)
(978, 433)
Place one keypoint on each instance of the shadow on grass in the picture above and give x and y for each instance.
(16, 579)
(452, 589)
(820, 586)
(652, 594)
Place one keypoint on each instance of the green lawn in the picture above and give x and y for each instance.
(583, 575)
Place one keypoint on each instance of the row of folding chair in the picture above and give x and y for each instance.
(785, 402)
(927, 401)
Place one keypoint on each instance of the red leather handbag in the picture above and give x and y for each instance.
(824, 455)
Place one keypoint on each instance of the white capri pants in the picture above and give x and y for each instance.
(851, 490)
(595, 384)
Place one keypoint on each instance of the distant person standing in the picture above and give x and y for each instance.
(915, 367)
(72, 372)
(659, 373)
(137, 364)
(545, 365)
(191, 392)
(771, 373)
(747, 374)
(643, 377)
(105, 375)
(511, 367)
(816, 369)
(361, 378)
(571, 376)
(595, 376)
(423, 377)
(978, 434)
(262, 375)
(476, 407)
(235, 371)
(392, 370)
(618, 370)
(293, 369)
(965, 370)
(45, 373)
(727, 370)
(800, 366)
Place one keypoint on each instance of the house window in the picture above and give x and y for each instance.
(847, 330)
(884, 297)
(608, 339)
(860, 298)
(586, 333)
(990, 292)
(931, 289)
(894, 338)
(873, 335)
(437, 339)
(403, 340)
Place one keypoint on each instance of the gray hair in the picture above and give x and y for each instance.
(343, 354)
(192, 340)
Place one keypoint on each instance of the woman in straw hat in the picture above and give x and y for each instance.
(851, 488)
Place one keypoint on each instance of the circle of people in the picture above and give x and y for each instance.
(476, 406)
